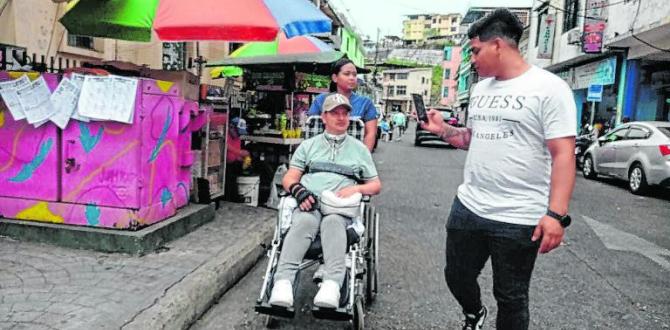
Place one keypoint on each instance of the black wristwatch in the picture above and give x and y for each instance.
(564, 220)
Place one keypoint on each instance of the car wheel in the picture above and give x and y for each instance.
(417, 143)
(587, 168)
(637, 181)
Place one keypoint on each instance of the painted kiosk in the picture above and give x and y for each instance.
(99, 173)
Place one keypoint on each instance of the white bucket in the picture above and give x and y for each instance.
(247, 188)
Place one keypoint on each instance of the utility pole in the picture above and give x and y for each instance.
(374, 73)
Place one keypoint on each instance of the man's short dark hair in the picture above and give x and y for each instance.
(500, 23)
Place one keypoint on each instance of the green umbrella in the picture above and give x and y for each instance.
(124, 19)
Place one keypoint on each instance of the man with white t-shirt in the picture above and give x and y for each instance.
(518, 176)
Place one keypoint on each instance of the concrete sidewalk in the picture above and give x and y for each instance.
(48, 287)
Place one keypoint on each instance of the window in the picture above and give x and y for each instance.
(664, 130)
(570, 15)
(427, 26)
(390, 91)
(392, 76)
(447, 74)
(402, 76)
(80, 41)
(423, 80)
(425, 93)
(401, 90)
(454, 20)
(447, 54)
(445, 91)
(617, 135)
(637, 134)
(454, 28)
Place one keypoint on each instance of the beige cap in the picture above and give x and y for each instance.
(335, 100)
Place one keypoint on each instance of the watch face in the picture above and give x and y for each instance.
(566, 221)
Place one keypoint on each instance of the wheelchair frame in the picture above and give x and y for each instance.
(361, 279)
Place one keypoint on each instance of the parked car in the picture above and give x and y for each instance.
(422, 135)
(638, 152)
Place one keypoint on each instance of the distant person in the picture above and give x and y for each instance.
(385, 129)
(518, 176)
(344, 81)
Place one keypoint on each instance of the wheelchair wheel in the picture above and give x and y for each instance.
(371, 261)
(271, 322)
(358, 320)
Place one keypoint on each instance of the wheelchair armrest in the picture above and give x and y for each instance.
(366, 198)
(283, 193)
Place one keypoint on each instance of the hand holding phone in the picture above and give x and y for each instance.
(421, 112)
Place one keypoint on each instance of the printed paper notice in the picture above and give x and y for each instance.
(11, 99)
(78, 80)
(64, 100)
(108, 98)
(35, 98)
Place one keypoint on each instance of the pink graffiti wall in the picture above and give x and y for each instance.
(103, 174)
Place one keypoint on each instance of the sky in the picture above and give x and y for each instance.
(388, 15)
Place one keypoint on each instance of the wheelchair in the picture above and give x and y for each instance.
(361, 280)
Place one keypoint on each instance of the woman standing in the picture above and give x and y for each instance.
(344, 81)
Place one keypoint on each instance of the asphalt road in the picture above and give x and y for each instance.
(612, 271)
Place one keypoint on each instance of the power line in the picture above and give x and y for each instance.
(650, 45)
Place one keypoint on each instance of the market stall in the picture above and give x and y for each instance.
(281, 90)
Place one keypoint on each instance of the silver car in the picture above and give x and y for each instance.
(638, 152)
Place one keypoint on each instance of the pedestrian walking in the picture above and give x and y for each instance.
(398, 125)
(344, 81)
(518, 176)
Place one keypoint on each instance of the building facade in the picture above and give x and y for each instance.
(622, 46)
(399, 84)
(418, 29)
(450, 70)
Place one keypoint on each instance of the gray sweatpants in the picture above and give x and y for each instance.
(304, 229)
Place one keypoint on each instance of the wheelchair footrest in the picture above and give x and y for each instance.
(335, 314)
(263, 307)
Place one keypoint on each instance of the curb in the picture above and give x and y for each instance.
(184, 302)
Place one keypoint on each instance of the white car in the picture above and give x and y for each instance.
(638, 152)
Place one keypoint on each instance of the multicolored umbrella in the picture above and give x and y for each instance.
(281, 46)
(181, 20)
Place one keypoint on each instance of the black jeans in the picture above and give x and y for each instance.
(471, 239)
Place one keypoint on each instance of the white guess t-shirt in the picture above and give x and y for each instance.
(508, 168)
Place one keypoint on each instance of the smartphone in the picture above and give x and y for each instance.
(421, 112)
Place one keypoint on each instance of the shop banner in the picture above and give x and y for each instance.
(311, 83)
(594, 25)
(266, 81)
(596, 73)
(546, 44)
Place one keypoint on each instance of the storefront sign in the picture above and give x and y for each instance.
(312, 83)
(568, 76)
(266, 81)
(596, 73)
(594, 25)
(546, 44)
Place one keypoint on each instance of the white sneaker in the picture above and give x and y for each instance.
(282, 294)
(328, 295)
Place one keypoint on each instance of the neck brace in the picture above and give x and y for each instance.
(335, 137)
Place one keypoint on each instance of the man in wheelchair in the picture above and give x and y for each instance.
(326, 174)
